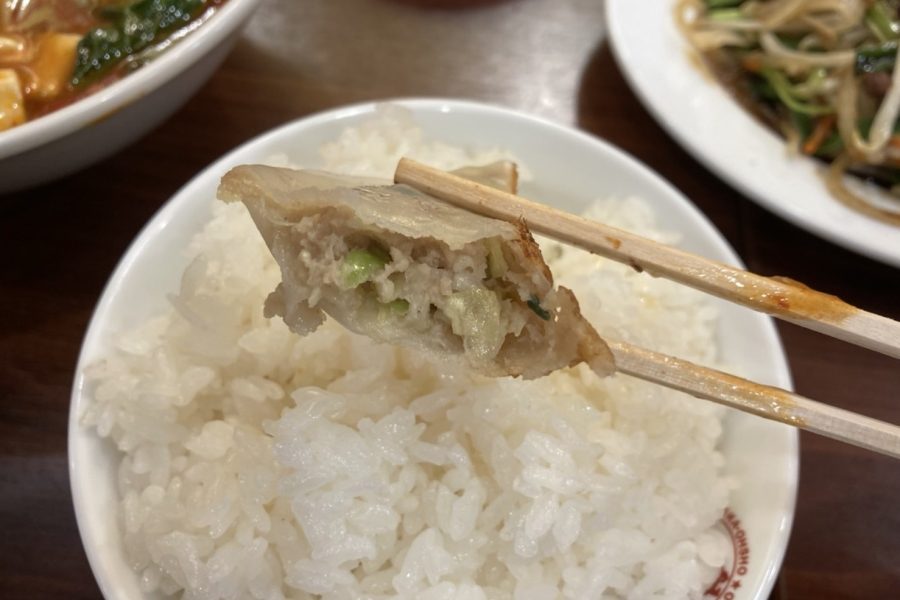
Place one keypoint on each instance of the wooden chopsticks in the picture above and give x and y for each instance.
(781, 298)
(764, 401)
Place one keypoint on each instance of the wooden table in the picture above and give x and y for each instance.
(60, 242)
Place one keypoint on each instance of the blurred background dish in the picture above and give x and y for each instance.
(710, 123)
(80, 80)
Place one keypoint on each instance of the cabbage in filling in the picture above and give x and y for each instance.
(387, 286)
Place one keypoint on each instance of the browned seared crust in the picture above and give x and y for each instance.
(531, 251)
(591, 347)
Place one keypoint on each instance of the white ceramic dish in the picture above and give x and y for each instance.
(570, 169)
(710, 124)
(99, 125)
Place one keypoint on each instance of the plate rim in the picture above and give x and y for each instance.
(699, 151)
(181, 198)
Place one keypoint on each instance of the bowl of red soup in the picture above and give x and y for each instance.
(79, 79)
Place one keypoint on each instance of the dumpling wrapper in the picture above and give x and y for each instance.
(397, 265)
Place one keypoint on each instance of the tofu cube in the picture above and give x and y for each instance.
(12, 104)
(53, 65)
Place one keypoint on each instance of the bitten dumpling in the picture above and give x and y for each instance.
(397, 265)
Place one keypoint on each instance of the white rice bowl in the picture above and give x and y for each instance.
(258, 464)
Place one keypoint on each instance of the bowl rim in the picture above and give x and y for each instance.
(162, 217)
(112, 98)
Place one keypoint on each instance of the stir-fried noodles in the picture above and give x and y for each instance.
(825, 73)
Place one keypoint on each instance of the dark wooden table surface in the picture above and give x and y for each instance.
(59, 243)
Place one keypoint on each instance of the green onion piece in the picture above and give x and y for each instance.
(360, 266)
(813, 85)
(535, 305)
(713, 4)
(878, 18)
(782, 87)
(725, 14)
(397, 308)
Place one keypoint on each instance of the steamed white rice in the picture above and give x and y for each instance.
(257, 464)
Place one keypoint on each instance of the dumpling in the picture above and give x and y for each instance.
(397, 265)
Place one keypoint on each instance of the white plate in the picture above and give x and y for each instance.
(572, 169)
(711, 125)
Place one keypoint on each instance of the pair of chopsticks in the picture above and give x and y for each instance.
(782, 298)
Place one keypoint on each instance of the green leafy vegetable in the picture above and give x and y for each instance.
(130, 29)
(535, 305)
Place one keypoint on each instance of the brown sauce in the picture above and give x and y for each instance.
(771, 403)
(787, 297)
(727, 71)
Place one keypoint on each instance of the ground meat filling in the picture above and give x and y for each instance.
(385, 285)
